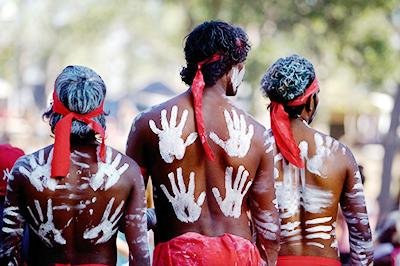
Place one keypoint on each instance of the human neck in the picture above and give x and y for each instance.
(217, 90)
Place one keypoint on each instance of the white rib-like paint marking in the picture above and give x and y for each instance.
(319, 228)
(107, 225)
(294, 238)
(315, 244)
(238, 143)
(62, 207)
(185, 207)
(171, 143)
(46, 230)
(319, 235)
(107, 173)
(82, 154)
(39, 175)
(319, 220)
(231, 206)
(287, 233)
(264, 222)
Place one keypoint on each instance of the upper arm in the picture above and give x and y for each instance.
(263, 210)
(13, 221)
(352, 202)
(136, 222)
(135, 142)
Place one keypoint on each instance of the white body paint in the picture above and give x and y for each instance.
(185, 207)
(46, 229)
(324, 148)
(107, 226)
(108, 173)
(319, 220)
(39, 175)
(11, 217)
(269, 142)
(231, 206)
(264, 222)
(171, 143)
(238, 143)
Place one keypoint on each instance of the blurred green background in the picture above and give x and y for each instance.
(137, 47)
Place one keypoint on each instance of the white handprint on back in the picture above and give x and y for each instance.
(239, 140)
(171, 143)
(185, 207)
(231, 206)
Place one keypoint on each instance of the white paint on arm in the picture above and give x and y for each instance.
(171, 143)
(231, 206)
(185, 207)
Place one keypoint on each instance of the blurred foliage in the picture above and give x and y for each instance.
(138, 41)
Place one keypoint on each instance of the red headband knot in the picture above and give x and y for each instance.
(197, 91)
(280, 125)
(60, 163)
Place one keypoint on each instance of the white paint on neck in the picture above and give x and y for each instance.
(231, 206)
(171, 143)
(186, 209)
(239, 141)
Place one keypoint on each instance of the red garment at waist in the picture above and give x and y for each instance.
(306, 261)
(196, 249)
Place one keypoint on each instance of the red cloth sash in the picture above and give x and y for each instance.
(197, 91)
(307, 260)
(60, 163)
(280, 125)
(196, 249)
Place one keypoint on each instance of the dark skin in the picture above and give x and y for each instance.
(76, 208)
(341, 179)
(143, 147)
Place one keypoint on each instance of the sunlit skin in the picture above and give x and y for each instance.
(77, 213)
(211, 178)
(312, 227)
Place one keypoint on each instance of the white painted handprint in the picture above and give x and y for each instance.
(107, 226)
(231, 206)
(39, 176)
(239, 140)
(107, 173)
(185, 207)
(171, 143)
(46, 229)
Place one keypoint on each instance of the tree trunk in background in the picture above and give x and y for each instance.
(390, 146)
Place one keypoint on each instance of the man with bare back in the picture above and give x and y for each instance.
(207, 161)
(77, 193)
(314, 173)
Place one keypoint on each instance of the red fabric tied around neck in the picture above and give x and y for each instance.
(280, 125)
(197, 91)
(61, 155)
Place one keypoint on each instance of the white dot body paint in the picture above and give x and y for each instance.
(46, 230)
(240, 136)
(231, 206)
(171, 143)
(107, 173)
(39, 176)
(107, 226)
(185, 207)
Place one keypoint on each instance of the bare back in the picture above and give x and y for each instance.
(309, 198)
(75, 219)
(193, 194)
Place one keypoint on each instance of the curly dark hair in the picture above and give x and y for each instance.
(207, 39)
(287, 79)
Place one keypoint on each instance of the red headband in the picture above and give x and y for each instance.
(61, 155)
(197, 91)
(280, 125)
